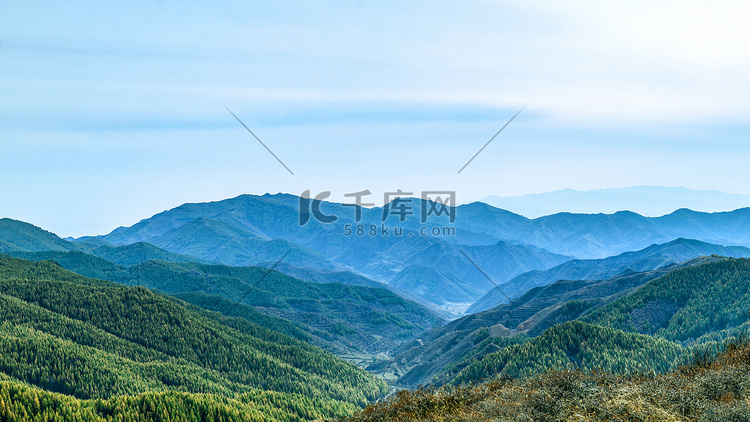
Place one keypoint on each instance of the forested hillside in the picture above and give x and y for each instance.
(684, 304)
(19, 237)
(577, 345)
(92, 339)
(701, 300)
(453, 344)
(341, 318)
(687, 306)
(21, 403)
(652, 258)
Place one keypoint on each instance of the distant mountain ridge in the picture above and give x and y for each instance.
(591, 236)
(18, 236)
(651, 258)
(649, 201)
(579, 235)
(250, 229)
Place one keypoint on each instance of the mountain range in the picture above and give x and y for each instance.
(339, 311)
(650, 258)
(651, 201)
(249, 230)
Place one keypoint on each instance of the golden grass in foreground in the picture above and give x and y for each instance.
(713, 388)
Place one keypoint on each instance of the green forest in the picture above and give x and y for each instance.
(577, 345)
(330, 315)
(95, 340)
(651, 330)
(684, 304)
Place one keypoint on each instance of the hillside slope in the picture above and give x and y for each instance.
(712, 388)
(684, 304)
(448, 348)
(454, 346)
(577, 345)
(650, 258)
(18, 236)
(91, 339)
(687, 306)
(343, 319)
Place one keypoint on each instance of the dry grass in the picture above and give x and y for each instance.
(715, 387)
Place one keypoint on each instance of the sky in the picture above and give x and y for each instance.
(112, 112)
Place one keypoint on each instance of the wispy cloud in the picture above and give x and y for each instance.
(389, 94)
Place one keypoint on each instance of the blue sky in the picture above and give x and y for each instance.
(110, 113)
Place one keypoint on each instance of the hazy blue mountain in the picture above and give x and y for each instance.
(138, 253)
(651, 258)
(580, 235)
(215, 240)
(645, 200)
(268, 217)
(603, 235)
(210, 239)
(318, 275)
(347, 278)
(458, 279)
(17, 236)
(252, 229)
(434, 286)
(249, 230)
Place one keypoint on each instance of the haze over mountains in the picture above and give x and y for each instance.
(650, 201)
(250, 230)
